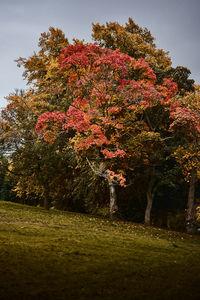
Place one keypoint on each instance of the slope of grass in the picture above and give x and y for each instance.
(62, 255)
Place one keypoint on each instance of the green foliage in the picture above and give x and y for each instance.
(6, 193)
(181, 77)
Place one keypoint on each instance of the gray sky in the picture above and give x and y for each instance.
(174, 24)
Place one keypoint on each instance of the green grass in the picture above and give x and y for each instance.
(62, 255)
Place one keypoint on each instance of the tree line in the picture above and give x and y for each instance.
(108, 126)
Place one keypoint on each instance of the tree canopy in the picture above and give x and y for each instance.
(114, 110)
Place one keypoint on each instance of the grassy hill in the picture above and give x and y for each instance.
(62, 255)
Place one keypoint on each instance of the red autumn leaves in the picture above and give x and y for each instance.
(108, 89)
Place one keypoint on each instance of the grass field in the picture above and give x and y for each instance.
(62, 255)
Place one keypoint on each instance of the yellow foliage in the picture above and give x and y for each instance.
(132, 40)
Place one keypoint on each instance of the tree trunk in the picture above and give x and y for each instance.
(191, 211)
(113, 201)
(147, 219)
(46, 198)
(150, 196)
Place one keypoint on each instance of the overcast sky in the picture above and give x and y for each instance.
(174, 24)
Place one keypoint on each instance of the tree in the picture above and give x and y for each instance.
(186, 126)
(103, 113)
(111, 90)
(33, 161)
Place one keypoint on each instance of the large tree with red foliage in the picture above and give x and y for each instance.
(111, 92)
